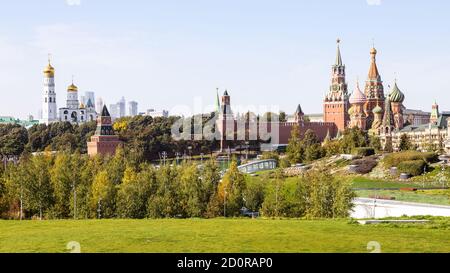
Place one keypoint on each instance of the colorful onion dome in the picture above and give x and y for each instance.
(396, 95)
(357, 96)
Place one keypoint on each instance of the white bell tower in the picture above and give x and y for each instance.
(49, 112)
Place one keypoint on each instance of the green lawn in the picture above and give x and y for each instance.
(430, 197)
(368, 183)
(219, 235)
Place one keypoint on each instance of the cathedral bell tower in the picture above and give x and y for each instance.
(49, 112)
(336, 103)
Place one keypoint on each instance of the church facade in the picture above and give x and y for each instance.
(74, 112)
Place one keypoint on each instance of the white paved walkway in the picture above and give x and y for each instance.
(371, 208)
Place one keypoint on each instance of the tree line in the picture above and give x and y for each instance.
(144, 136)
(71, 185)
(308, 148)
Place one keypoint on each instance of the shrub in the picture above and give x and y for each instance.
(364, 151)
(394, 159)
(412, 167)
(271, 155)
(364, 165)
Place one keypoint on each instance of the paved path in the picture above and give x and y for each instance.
(368, 208)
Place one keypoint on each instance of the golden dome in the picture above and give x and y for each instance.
(49, 70)
(72, 88)
(82, 106)
(373, 50)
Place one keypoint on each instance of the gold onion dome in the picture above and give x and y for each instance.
(72, 88)
(49, 70)
(373, 51)
(82, 106)
(396, 95)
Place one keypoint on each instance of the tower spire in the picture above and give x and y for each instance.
(374, 75)
(338, 55)
(217, 100)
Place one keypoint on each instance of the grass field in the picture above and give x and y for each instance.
(219, 235)
(436, 197)
(368, 183)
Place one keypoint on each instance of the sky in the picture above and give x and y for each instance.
(170, 54)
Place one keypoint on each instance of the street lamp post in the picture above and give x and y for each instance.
(99, 209)
(163, 155)
(424, 173)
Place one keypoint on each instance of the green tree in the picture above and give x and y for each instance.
(374, 142)
(133, 194)
(165, 202)
(62, 178)
(38, 185)
(103, 196)
(191, 191)
(116, 166)
(295, 149)
(211, 179)
(283, 116)
(284, 198)
(13, 139)
(353, 138)
(231, 191)
(88, 169)
(332, 147)
(405, 143)
(327, 196)
(311, 146)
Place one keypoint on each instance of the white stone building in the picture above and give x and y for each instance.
(76, 112)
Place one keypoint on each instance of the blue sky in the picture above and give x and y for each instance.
(165, 53)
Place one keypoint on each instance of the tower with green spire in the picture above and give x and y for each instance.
(217, 101)
(434, 113)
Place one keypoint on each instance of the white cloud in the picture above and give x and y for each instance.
(373, 2)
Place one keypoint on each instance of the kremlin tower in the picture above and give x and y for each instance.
(434, 114)
(226, 123)
(336, 101)
(49, 112)
(104, 141)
